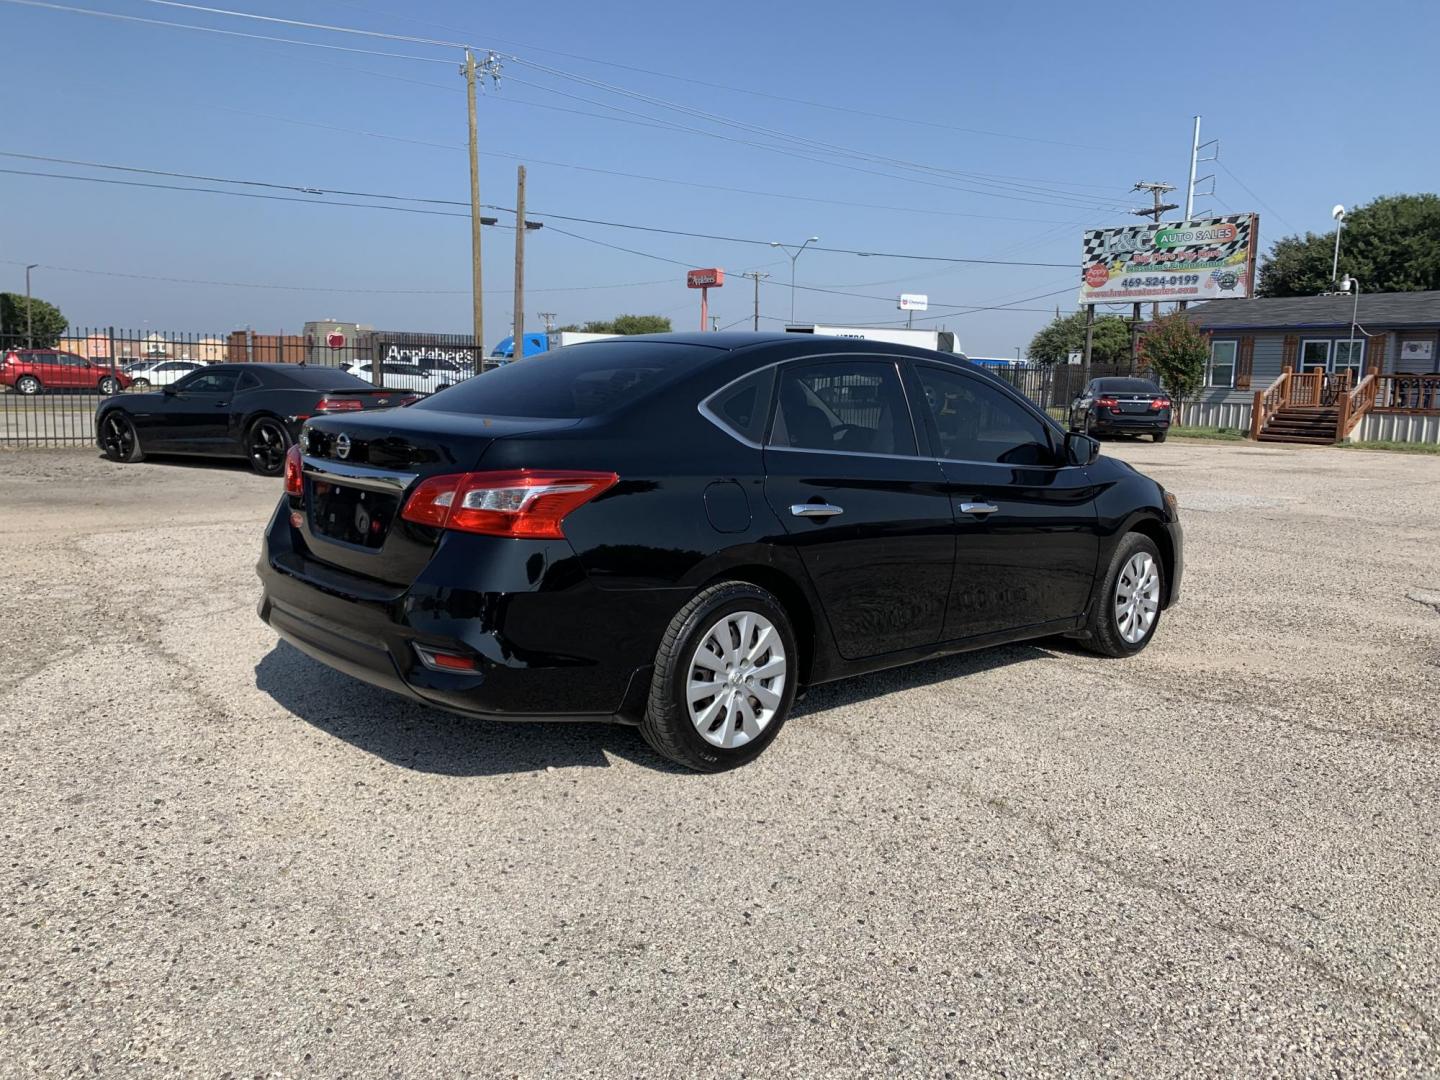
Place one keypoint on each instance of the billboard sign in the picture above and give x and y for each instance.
(914, 302)
(399, 350)
(711, 278)
(1205, 259)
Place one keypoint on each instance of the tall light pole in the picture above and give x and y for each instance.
(793, 258)
(1339, 215)
(29, 315)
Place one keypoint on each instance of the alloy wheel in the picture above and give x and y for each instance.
(736, 679)
(267, 447)
(28, 384)
(1137, 597)
(117, 437)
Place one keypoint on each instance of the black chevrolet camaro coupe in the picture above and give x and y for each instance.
(250, 411)
(683, 531)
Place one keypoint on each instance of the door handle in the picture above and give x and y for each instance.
(815, 510)
(980, 509)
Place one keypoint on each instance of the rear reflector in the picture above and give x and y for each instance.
(441, 661)
(327, 404)
(530, 503)
(294, 472)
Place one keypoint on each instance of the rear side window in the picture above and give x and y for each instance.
(248, 381)
(570, 384)
(744, 406)
(852, 405)
(978, 422)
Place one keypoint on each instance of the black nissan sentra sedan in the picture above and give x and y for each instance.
(682, 531)
(1122, 406)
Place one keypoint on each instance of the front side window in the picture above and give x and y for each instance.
(978, 422)
(857, 406)
(1222, 364)
(207, 382)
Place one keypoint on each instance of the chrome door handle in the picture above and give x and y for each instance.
(978, 508)
(815, 510)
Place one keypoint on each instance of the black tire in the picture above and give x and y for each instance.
(140, 384)
(118, 437)
(1103, 631)
(1160, 436)
(266, 441)
(28, 385)
(108, 385)
(667, 725)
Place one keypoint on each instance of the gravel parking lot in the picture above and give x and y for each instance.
(1218, 858)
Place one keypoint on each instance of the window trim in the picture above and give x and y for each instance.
(1234, 344)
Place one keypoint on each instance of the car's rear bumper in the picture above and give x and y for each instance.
(539, 655)
(1131, 422)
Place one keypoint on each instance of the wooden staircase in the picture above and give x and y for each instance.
(1314, 424)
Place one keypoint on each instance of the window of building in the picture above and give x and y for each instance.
(1314, 356)
(1349, 356)
(1221, 371)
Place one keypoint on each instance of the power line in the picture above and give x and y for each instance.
(310, 25)
(539, 213)
(1259, 201)
(217, 30)
(318, 288)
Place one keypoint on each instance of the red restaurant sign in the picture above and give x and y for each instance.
(711, 278)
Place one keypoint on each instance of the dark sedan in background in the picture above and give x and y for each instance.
(250, 411)
(1119, 406)
(683, 531)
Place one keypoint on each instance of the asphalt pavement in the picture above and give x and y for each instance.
(1218, 858)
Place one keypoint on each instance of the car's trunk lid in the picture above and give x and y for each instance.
(360, 467)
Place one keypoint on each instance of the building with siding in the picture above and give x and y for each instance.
(1395, 337)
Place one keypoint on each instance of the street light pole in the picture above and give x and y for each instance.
(1339, 215)
(793, 258)
(1350, 284)
(29, 315)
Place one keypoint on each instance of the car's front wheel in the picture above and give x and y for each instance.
(27, 384)
(1126, 610)
(141, 384)
(109, 385)
(266, 444)
(724, 678)
(118, 437)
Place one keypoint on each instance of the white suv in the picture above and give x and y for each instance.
(424, 378)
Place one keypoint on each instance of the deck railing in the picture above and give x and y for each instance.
(1408, 393)
(1354, 404)
(1270, 401)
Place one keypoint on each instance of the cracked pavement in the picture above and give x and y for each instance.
(1215, 859)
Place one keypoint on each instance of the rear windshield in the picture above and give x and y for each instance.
(1126, 386)
(581, 380)
(321, 378)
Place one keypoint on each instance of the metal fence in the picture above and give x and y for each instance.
(48, 392)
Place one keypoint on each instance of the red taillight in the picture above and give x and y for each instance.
(1106, 402)
(294, 472)
(1160, 403)
(344, 404)
(530, 503)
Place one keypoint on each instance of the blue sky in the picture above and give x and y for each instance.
(1053, 109)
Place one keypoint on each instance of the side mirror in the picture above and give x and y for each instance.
(1080, 449)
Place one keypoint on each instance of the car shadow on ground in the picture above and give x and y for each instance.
(183, 461)
(413, 736)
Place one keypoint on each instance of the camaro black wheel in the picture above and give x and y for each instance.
(27, 384)
(108, 385)
(266, 443)
(1126, 609)
(118, 437)
(724, 679)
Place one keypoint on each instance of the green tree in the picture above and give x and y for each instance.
(1066, 334)
(1177, 350)
(624, 324)
(47, 324)
(1391, 245)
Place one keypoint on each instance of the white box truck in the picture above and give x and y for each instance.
(940, 340)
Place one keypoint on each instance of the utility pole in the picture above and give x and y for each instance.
(520, 230)
(549, 317)
(491, 67)
(30, 314)
(756, 275)
(1157, 211)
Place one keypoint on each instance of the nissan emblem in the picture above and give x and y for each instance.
(342, 446)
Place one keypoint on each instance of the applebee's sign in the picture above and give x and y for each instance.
(711, 278)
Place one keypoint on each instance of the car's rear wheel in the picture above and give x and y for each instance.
(27, 384)
(265, 444)
(1126, 610)
(1160, 436)
(109, 385)
(724, 679)
(141, 384)
(118, 437)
